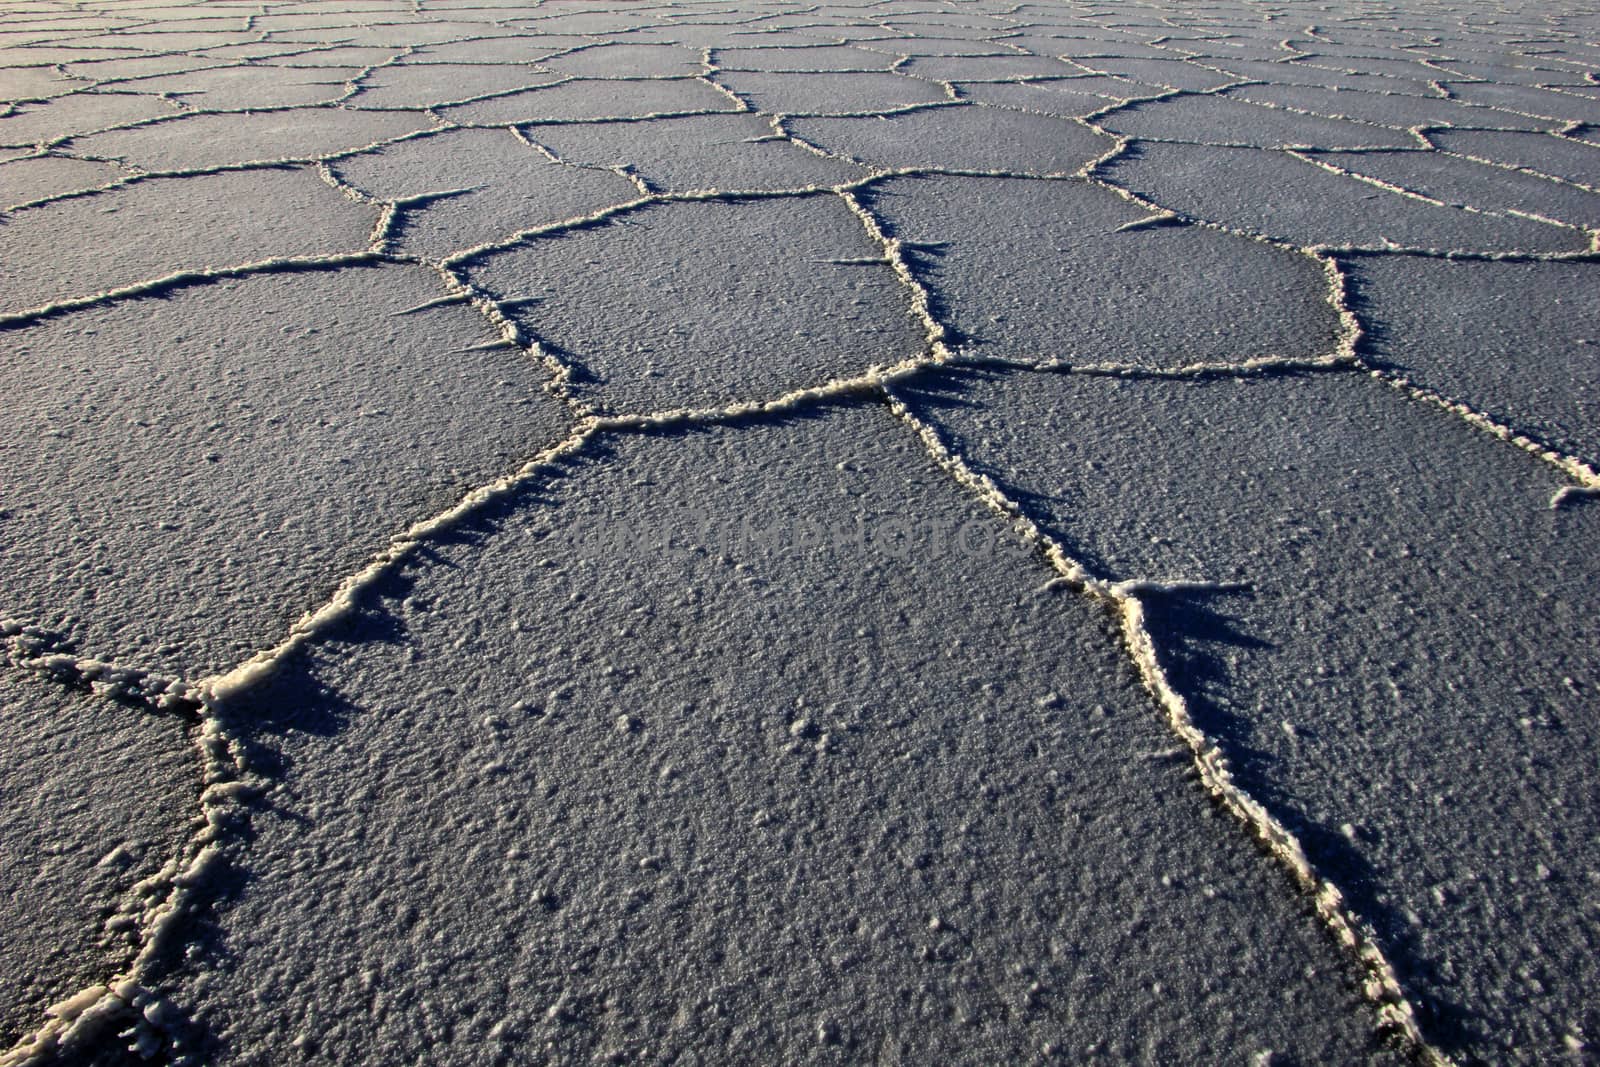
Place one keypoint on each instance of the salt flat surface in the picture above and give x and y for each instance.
(902, 531)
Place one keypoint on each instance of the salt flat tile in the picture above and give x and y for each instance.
(1037, 270)
(430, 84)
(735, 35)
(30, 124)
(1100, 85)
(622, 60)
(586, 101)
(954, 27)
(137, 66)
(1571, 50)
(1548, 103)
(934, 46)
(154, 228)
(589, 23)
(1085, 45)
(818, 57)
(1292, 73)
(498, 186)
(523, 48)
(986, 68)
(1397, 47)
(34, 83)
(1219, 120)
(223, 140)
(975, 138)
(1518, 340)
(1332, 37)
(1053, 98)
(161, 19)
(36, 23)
(286, 23)
(39, 55)
(1208, 49)
(1406, 69)
(393, 35)
(26, 179)
(158, 41)
(1507, 73)
(1477, 185)
(696, 152)
(831, 93)
(1277, 196)
(304, 55)
(1166, 73)
(186, 475)
(1559, 157)
(720, 302)
(243, 87)
(1392, 109)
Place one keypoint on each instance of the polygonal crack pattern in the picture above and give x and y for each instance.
(900, 529)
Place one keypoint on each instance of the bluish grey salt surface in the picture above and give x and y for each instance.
(901, 531)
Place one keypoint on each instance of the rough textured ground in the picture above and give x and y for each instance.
(900, 532)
